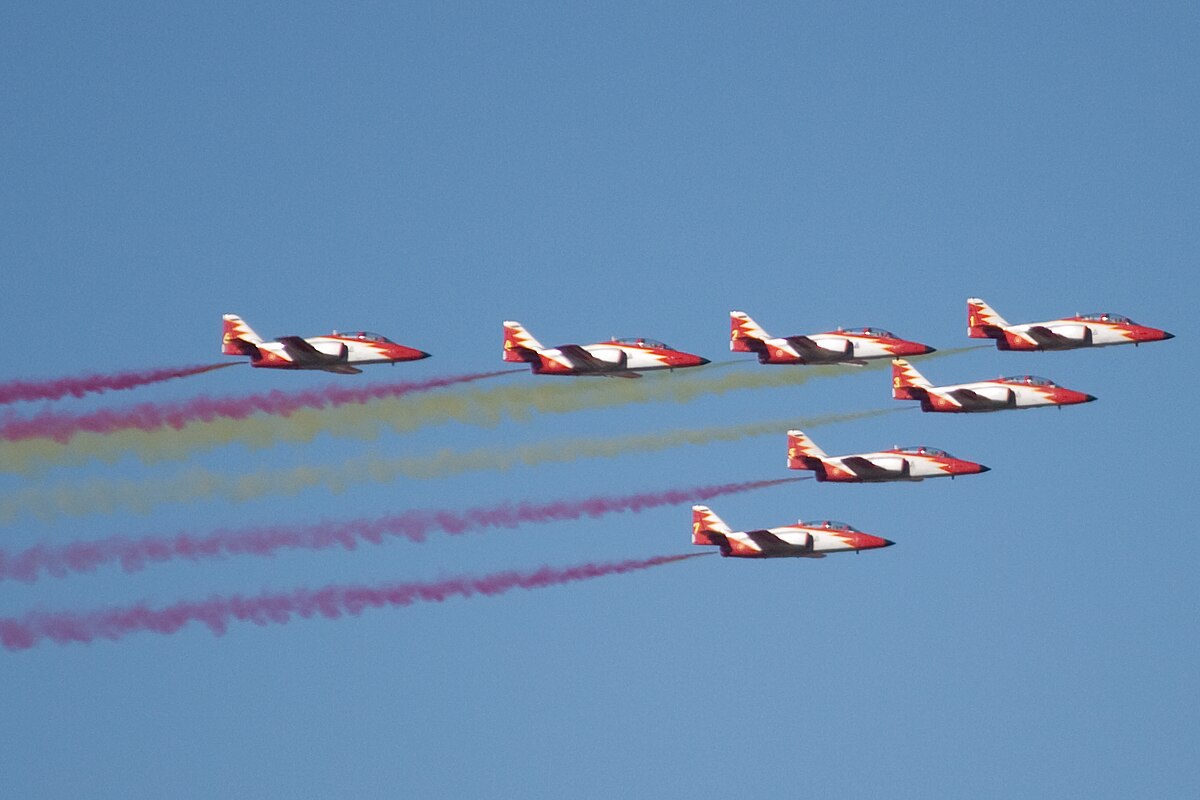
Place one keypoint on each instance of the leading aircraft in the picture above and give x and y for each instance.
(616, 358)
(336, 352)
(1067, 333)
(802, 540)
(843, 346)
(897, 464)
(1017, 391)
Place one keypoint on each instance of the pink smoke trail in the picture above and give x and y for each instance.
(61, 427)
(18, 391)
(331, 602)
(136, 554)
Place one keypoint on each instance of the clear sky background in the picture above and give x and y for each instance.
(429, 170)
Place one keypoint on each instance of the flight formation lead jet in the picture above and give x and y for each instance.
(843, 346)
(616, 358)
(1018, 391)
(802, 540)
(336, 352)
(1068, 333)
(897, 464)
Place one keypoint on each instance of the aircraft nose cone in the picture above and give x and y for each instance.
(887, 543)
(1087, 398)
(1166, 335)
(700, 362)
(983, 469)
(926, 352)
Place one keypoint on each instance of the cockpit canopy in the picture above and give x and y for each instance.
(638, 341)
(879, 333)
(922, 450)
(830, 525)
(363, 336)
(1029, 380)
(1106, 317)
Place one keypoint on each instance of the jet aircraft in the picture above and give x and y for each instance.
(617, 358)
(1016, 391)
(333, 353)
(1068, 333)
(897, 464)
(802, 540)
(843, 346)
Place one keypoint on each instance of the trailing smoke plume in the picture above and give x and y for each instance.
(62, 427)
(18, 391)
(135, 554)
(331, 602)
(155, 433)
(110, 496)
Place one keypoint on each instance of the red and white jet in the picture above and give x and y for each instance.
(333, 353)
(843, 346)
(1068, 333)
(802, 540)
(616, 358)
(1018, 391)
(897, 464)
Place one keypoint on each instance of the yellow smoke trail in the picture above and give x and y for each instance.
(484, 407)
(112, 496)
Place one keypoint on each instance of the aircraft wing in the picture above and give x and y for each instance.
(342, 369)
(865, 468)
(304, 353)
(772, 545)
(584, 361)
(1046, 337)
(968, 399)
(811, 351)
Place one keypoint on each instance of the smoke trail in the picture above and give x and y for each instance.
(278, 608)
(136, 554)
(366, 421)
(153, 416)
(110, 496)
(18, 391)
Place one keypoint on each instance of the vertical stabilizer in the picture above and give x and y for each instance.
(745, 335)
(982, 320)
(238, 338)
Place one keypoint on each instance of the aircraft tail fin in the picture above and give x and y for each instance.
(905, 378)
(982, 320)
(745, 335)
(707, 527)
(519, 345)
(238, 338)
(802, 451)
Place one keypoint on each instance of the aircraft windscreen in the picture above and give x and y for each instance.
(367, 336)
(876, 332)
(1106, 318)
(830, 525)
(1030, 380)
(640, 342)
(924, 451)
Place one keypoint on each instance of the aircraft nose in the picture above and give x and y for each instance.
(1087, 398)
(926, 352)
(1166, 335)
(982, 468)
(700, 362)
(865, 541)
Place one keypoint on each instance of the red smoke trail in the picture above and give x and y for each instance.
(332, 602)
(17, 391)
(136, 554)
(152, 416)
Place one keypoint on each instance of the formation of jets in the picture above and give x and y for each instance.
(627, 358)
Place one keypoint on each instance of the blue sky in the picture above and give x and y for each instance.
(430, 170)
